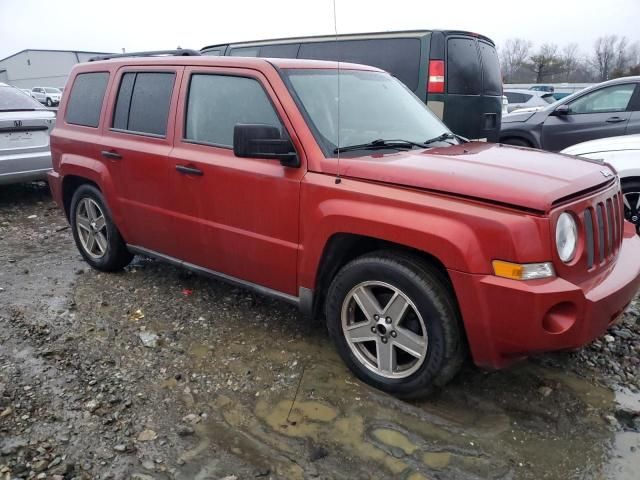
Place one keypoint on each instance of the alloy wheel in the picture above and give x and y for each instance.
(92, 228)
(384, 329)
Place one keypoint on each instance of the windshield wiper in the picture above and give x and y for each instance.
(446, 136)
(380, 144)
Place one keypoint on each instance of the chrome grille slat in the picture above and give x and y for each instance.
(610, 227)
(588, 236)
(601, 233)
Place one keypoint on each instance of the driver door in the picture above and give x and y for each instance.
(597, 114)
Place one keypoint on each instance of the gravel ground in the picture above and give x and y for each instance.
(154, 373)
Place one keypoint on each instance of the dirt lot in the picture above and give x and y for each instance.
(155, 373)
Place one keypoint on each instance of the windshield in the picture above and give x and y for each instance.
(373, 106)
(12, 99)
(52, 90)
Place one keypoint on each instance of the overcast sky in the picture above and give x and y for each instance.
(150, 25)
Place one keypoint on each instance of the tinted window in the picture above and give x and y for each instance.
(14, 99)
(213, 53)
(549, 98)
(398, 56)
(85, 99)
(217, 103)
(491, 75)
(280, 51)
(143, 102)
(245, 52)
(609, 99)
(515, 97)
(463, 67)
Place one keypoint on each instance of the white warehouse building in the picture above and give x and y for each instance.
(41, 68)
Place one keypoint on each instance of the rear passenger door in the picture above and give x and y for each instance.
(242, 214)
(138, 137)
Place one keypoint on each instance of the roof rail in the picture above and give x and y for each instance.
(181, 52)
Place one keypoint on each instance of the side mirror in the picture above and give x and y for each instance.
(562, 110)
(263, 141)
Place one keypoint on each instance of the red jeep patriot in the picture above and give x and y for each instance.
(350, 200)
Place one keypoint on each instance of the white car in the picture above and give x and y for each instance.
(49, 96)
(25, 126)
(519, 99)
(623, 153)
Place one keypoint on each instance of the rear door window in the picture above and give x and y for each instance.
(463, 67)
(217, 103)
(85, 99)
(143, 102)
(491, 75)
(245, 52)
(289, 50)
(398, 56)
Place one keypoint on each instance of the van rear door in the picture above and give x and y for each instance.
(470, 101)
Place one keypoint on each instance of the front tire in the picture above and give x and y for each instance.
(631, 196)
(49, 102)
(395, 323)
(94, 232)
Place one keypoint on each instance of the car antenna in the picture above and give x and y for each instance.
(335, 28)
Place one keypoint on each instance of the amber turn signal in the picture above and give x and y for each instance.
(522, 271)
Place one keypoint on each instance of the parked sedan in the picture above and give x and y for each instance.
(527, 98)
(605, 110)
(24, 137)
(624, 154)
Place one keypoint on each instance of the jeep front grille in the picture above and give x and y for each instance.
(602, 223)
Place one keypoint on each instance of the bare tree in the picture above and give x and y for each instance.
(546, 62)
(604, 56)
(570, 60)
(622, 55)
(513, 57)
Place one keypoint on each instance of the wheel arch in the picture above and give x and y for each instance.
(342, 247)
(76, 170)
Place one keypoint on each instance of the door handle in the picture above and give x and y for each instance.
(615, 119)
(189, 170)
(111, 154)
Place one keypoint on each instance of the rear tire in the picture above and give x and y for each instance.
(517, 142)
(94, 232)
(631, 193)
(377, 345)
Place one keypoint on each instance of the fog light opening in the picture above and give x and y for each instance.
(559, 318)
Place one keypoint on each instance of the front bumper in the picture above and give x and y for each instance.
(506, 320)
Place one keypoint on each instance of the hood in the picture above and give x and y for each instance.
(512, 176)
(529, 109)
(518, 116)
(611, 144)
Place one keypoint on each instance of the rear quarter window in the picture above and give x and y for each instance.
(463, 67)
(398, 56)
(85, 99)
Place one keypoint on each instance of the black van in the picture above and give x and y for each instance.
(456, 73)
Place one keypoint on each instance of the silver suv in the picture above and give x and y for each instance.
(24, 137)
(49, 96)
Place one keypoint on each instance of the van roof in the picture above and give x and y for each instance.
(348, 36)
(212, 61)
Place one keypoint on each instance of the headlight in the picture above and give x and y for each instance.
(566, 237)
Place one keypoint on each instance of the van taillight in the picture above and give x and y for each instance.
(436, 77)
